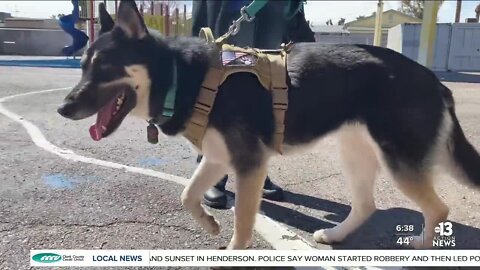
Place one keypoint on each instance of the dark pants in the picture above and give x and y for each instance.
(267, 31)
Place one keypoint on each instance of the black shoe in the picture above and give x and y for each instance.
(272, 191)
(215, 197)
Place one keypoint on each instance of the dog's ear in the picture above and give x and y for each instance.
(130, 21)
(106, 21)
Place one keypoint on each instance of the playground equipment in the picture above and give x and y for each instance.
(67, 23)
(84, 11)
(80, 39)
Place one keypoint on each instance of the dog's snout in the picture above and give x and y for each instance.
(77, 105)
(66, 109)
(71, 106)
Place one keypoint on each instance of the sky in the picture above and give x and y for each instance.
(317, 12)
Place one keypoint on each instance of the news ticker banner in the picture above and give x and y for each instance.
(272, 258)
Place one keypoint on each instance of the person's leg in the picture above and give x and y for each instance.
(213, 13)
(298, 30)
(215, 196)
(199, 16)
(244, 38)
(271, 191)
(229, 12)
(268, 30)
(270, 25)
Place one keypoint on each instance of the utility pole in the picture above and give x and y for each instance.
(377, 37)
(428, 33)
(477, 13)
(458, 11)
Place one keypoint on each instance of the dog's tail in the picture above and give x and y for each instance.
(466, 158)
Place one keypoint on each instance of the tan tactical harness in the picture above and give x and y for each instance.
(270, 70)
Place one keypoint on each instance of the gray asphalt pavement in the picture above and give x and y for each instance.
(47, 202)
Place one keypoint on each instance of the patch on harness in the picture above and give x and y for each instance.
(231, 58)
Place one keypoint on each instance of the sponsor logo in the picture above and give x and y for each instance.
(46, 257)
(73, 258)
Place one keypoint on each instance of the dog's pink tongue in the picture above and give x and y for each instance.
(104, 116)
(95, 133)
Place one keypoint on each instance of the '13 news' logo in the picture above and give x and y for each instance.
(444, 237)
(46, 257)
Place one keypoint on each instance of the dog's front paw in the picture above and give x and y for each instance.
(239, 244)
(327, 236)
(209, 223)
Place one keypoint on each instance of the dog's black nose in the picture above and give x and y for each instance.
(66, 110)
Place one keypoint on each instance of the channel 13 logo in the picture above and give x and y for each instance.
(444, 237)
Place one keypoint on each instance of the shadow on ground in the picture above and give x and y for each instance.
(452, 76)
(377, 233)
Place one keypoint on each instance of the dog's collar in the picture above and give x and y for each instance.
(169, 103)
(168, 108)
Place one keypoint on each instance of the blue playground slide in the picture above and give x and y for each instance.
(67, 23)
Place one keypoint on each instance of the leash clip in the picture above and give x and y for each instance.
(235, 27)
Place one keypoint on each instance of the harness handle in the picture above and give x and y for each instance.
(206, 34)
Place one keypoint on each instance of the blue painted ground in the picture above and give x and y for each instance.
(61, 181)
(152, 161)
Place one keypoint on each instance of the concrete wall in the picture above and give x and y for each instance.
(32, 23)
(45, 42)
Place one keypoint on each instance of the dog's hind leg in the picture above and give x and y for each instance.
(361, 166)
(204, 177)
(421, 191)
(247, 202)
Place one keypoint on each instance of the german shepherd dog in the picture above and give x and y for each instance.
(386, 109)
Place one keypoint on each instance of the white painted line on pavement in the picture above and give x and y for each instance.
(3, 99)
(275, 234)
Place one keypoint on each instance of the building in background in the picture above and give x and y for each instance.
(362, 30)
(4, 15)
(331, 34)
